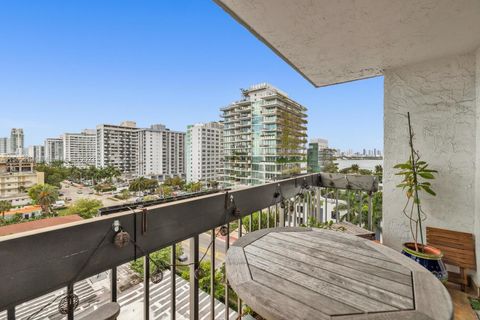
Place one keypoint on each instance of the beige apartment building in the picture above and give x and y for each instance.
(17, 174)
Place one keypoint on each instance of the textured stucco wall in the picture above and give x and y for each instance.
(441, 98)
(477, 173)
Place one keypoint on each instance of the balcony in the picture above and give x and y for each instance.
(61, 258)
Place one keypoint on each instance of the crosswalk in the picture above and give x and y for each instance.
(160, 295)
(87, 295)
(93, 293)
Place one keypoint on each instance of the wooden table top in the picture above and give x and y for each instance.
(300, 273)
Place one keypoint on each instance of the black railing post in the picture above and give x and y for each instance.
(227, 295)
(70, 302)
(113, 284)
(11, 313)
(194, 275)
(212, 276)
(173, 283)
(146, 287)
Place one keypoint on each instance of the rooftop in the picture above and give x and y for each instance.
(37, 224)
(27, 209)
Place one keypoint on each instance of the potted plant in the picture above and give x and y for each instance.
(416, 175)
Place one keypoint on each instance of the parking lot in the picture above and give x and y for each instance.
(75, 192)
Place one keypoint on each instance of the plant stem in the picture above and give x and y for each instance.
(415, 182)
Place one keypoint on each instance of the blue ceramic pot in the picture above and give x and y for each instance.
(430, 259)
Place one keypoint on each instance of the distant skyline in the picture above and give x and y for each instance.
(68, 66)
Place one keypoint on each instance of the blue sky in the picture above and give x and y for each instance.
(70, 65)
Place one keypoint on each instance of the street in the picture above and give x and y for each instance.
(204, 243)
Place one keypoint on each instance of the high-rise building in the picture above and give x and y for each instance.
(80, 149)
(37, 153)
(117, 146)
(204, 152)
(4, 146)
(319, 155)
(53, 149)
(264, 137)
(313, 162)
(16, 141)
(161, 152)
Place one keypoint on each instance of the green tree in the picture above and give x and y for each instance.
(379, 172)
(246, 220)
(354, 168)
(4, 207)
(44, 195)
(111, 172)
(161, 258)
(54, 172)
(359, 208)
(93, 174)
(176, 183)
(142, 184)
(85, 208)
(165, 191)
(193, 187)
(365, 172)
(330, 167)
(204, 282)
(124, 194)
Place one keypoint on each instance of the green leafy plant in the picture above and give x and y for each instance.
(4, 207)
(44, 195)
(416, 174)
(86, 208)
(330, 225)
(475, 303)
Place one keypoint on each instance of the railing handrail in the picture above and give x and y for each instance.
(39, 262)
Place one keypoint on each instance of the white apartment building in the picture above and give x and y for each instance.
(37, 153)
(117, 146)
(80, 149)
(161, 152)
(17, 141)
(53, 149)
(264, 137)
(204, 152)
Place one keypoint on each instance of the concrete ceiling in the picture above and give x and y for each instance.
(334, 41)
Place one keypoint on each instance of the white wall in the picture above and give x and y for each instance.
(477, 172)
(441, 98)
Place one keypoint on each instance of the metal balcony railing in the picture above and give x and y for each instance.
(40, 262)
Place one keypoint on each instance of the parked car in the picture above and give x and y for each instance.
(182, 258)
(80, 192)
(59, 204)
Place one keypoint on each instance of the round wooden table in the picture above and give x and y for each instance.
(300, 273)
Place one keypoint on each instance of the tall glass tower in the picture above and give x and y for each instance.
(264, 137)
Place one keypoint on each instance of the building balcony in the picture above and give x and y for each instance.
(64, 256)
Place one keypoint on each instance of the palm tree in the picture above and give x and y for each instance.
(379, 172)
(112, 172)
(44, 195)
(93, 174)
(139, 184)
(4, 207)
(354, 168)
